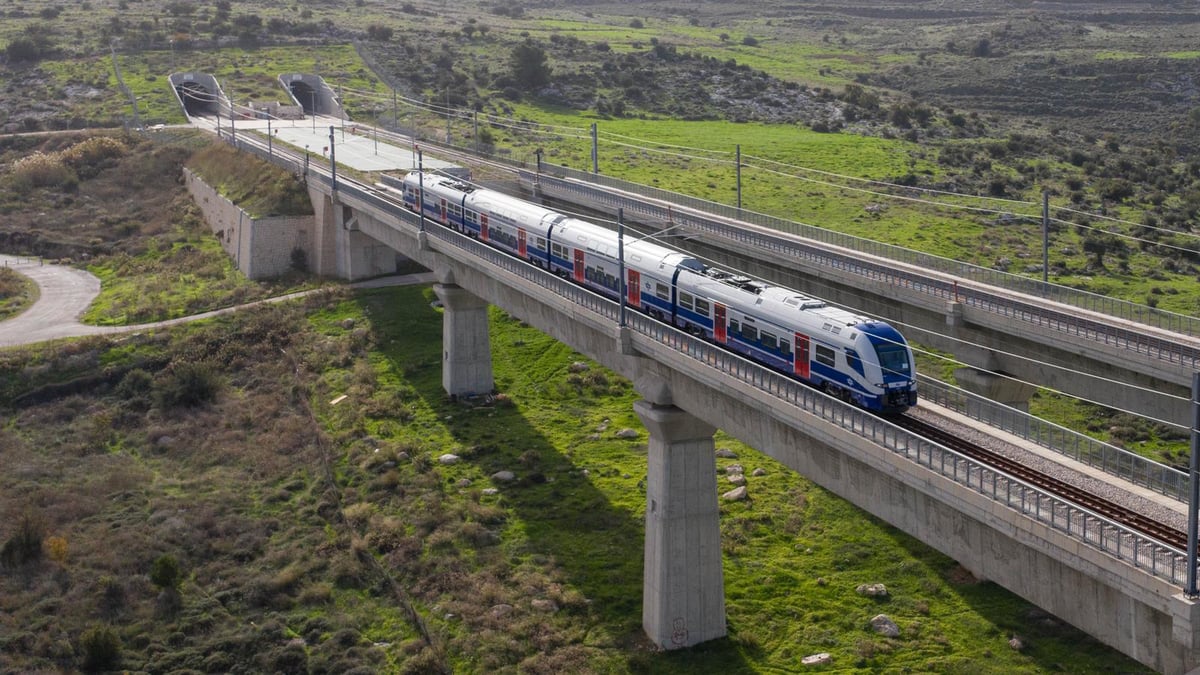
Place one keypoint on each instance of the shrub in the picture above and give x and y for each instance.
(56, 548)
(165, 572)
(25, 545)
(42, 170)
(101, 649)
(187, 385)
(93, 151)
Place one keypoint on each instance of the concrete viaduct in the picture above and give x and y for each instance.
(1113, 584)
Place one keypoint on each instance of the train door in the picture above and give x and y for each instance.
(801, 356)
(442, 211)
(483, 226)
(579, 278)
(633, 290)
(719, 322)
(522, 247)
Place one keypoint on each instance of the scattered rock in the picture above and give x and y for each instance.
(885, 626)
(627, 433)
(449, 459)
(872, 590)
(402, 456)
(759, 472)
(736, 495)
(816, 659)
(1016, 643)
(736, 479)
(734, 468)
(347, 324)
(490, 491)
(578, 367)
(463, 482)
(726, 453)
(822, 582)
(503, 609)
(504, 476)
(544, 605)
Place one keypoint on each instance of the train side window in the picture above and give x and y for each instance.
(685, 301)
(769, 341)
(825, 356)
(701, 306)
(734, 327)
(662, 291)
(785, 347)
(749, 333)
(541, 243)
(854, 362)
(472, 217)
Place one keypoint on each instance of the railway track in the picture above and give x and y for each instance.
(1081, 497)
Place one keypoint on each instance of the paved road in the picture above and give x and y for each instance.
(66, 292)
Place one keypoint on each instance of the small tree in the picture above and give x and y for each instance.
(529, 66)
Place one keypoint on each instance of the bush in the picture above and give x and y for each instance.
(42, 170)
(187, 385)
(101, 649)
(25, 545)
(93, 151)
(165, 572)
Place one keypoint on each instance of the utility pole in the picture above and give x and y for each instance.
(332, 163)
(595, 150)
(739, 176)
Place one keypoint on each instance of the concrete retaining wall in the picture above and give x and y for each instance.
(261, 247)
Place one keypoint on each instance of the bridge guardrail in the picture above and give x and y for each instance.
(1071, 444)
(1143, 552)
(1095, 302)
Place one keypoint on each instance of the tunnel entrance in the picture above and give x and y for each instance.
(197, 100)
(306, 96)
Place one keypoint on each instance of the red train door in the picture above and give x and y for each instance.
(801, 356)
(443, 211)
(719, 322)
(521, 245)
(579, 265)
(633, 291)
(483, 226)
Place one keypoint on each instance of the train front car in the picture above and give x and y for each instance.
(889, 369)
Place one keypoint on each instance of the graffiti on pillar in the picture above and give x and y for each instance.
(679, 634)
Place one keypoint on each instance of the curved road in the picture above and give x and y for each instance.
(66, 292)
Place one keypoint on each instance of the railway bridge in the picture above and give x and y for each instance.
(1117, 585)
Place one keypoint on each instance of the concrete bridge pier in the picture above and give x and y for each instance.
(467, 353)
(683, 587)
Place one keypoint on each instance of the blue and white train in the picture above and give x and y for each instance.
(860, 360)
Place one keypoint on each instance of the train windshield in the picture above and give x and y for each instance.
(894, 360)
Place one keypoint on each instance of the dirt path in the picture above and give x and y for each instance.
(65, 293)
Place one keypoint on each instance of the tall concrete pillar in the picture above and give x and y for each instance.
(466, 351)
(683, 587)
